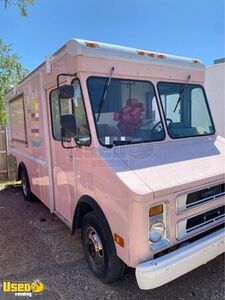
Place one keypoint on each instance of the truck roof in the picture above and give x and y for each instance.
(86, 48)
(104, 50)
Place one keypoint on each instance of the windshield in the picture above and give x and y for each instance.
(129, 113)
(186, 110)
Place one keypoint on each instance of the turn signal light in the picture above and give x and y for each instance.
(141, 53)
(156, 210)
(196, 61)
(118, 239)
(91, 44)
(161, 56)
(151, 54)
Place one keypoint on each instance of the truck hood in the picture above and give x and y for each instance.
(171, 166)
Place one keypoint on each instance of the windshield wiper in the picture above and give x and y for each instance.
(118, 143)
(106, 87)
(181, 92)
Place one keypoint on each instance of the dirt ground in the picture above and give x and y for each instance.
(34, 244)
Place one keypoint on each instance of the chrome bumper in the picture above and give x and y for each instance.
(159, 271)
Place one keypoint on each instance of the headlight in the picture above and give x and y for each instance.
(156, 232)
(159, 227)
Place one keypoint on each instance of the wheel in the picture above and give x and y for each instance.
(26, 185)
(99, 249)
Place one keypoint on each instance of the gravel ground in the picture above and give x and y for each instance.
(35, 244)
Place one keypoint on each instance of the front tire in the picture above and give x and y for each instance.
(99, 249)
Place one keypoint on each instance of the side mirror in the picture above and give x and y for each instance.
(66, 91)
(68, 123)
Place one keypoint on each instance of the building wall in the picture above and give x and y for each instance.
(215, 89)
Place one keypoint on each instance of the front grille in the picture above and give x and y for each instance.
(205, 195)
(200, 222)
(192, 199)
(208, 217)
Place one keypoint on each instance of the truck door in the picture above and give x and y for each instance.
(63, 160)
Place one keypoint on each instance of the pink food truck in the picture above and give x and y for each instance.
(120, 143)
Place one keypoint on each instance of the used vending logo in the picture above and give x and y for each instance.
(23, 288)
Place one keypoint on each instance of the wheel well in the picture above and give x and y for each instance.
(84, 206)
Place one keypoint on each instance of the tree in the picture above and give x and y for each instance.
(21, 4)
(11, 72)
(11, 69)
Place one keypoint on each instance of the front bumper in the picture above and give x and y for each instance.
(159, 271)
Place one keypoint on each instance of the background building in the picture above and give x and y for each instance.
(215, 89)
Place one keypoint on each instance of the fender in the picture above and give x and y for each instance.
(85, 205)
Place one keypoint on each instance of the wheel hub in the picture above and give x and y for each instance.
(94, 247)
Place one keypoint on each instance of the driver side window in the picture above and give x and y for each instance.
(72, 106)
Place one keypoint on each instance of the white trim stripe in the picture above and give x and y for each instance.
(41, 162)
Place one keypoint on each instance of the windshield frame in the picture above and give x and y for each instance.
(207, 106)
(157, 103)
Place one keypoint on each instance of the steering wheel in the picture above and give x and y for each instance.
(160, 123)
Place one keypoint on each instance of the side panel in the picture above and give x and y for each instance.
(32, 152)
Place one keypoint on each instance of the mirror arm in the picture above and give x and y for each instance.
(64, 74)
(63, 144)
(67, 147)
(77, 140)
(77, 145)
